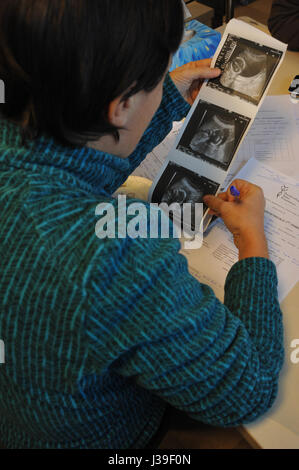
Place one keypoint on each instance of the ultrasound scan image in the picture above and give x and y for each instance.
(215, 138)
(213, 134)
(247, 68)
(182, 186)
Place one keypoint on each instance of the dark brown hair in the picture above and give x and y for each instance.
(64, 61)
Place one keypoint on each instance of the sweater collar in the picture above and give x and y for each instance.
(90, 169)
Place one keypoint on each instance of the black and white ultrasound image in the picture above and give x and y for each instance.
(182, 186)
(247, 68)
(213, 134)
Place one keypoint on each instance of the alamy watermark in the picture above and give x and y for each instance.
(2, 92)
(121, 219)
(2, 352)
(294, 357)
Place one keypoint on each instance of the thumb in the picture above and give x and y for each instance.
(203, 72)
(214, 203)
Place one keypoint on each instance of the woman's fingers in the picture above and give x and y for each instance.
(214, 203)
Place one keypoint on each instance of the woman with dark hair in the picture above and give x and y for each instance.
(100, 335)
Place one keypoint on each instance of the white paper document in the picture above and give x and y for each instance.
(272, 139)
(211, 263)
(296, 113)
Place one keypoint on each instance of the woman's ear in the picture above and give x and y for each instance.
(120, 110)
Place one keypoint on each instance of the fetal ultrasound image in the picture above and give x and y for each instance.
(182, 186)
(247, 68)
(213, 134)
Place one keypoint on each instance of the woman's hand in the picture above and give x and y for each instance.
(243, 216)
(189, 78)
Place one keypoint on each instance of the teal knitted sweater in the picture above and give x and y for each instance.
(101, 334)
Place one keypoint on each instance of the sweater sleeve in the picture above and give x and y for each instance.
(284, 22)
(167, 332)
(173, 108)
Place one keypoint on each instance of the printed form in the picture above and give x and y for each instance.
(273, 138)
(211, 263)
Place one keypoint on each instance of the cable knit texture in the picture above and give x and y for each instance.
(101, 334)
